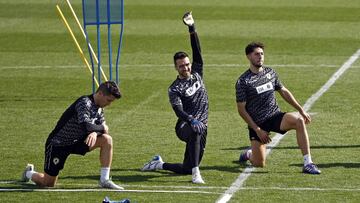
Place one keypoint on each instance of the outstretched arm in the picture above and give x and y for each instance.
(197, 65)
(196, 52)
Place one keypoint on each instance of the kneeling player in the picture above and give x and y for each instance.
(189, 100)
(256, 102)
(80, 129)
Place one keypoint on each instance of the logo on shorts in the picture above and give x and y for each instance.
(56, 160)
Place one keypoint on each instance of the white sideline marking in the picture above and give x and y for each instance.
(169, 186)
(332, 80)
(165, 65)
(237, 185)
(141, 186)
(174, 191)
(103, 190)
(124, 185)
(9, 181)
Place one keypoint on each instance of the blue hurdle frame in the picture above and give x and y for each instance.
(91, 7)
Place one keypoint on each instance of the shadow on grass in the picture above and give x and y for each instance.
(14, 184)
(296, 147)
(332, 165)
(236, 148)
(231, 169)
(140, 177)
(147, 176)
(238, 168)
(88, 177)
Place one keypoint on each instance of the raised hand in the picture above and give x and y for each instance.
(188, 19)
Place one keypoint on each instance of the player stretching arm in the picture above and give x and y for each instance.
(189, 100)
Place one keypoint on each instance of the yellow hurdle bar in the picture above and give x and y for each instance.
(76, 43)
(83, 33)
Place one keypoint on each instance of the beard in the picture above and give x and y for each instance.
(257, 65)
(185, 74)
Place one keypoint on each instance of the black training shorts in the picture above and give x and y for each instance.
(271, 124)
(55, 156)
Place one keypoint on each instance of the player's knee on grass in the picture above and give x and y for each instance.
(258, 163)
(186, 171)
(47, 180)
(50, 184)
(257, 160)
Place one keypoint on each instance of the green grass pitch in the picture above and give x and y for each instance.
(306, 41)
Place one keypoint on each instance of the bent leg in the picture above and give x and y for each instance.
(194, 148)
(202, 146)
(258, 155)
(295, 121)
(185, 133)
(104, 142)
(183, 168)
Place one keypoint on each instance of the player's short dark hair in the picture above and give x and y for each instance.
(180, 55)
(253, 45)
(110, 88)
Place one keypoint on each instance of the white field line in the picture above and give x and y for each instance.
(167, 65)
(131, 186)
(9, 182)
(178, 187)
(173, 191)
(104, 190)
(137, 108)
(238, 183)
(138, 186)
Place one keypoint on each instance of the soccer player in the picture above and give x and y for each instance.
(255, 97)
(189, 100)
(80, 129)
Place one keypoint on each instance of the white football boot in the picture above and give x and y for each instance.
(153, 164)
